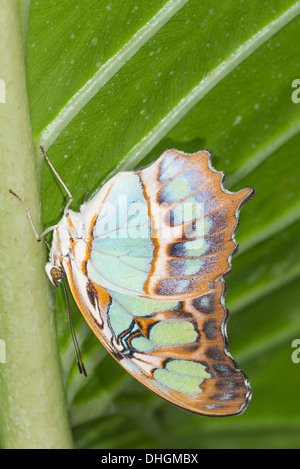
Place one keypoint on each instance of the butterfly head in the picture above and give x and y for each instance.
(54, 273)
(60, 248)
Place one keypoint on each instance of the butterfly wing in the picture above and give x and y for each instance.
(178, 349)
(148, 279)
(165, 232)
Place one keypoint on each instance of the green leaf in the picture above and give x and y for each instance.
(111, 85)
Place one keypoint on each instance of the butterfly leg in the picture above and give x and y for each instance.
(38, 237)
(51, 228)
(60, 180)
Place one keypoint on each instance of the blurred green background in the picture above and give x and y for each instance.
(112, 84)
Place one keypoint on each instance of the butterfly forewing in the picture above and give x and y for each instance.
(165, 232)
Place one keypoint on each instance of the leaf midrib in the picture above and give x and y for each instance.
(198, 92)
(81, 98)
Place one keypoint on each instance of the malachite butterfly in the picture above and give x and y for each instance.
(145, 259)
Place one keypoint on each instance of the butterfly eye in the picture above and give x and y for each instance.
(56, 274)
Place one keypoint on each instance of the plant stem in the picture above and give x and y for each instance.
(33, 412)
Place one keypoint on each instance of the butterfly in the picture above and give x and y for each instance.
(145, 260)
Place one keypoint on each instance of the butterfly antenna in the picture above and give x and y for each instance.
(78, 356)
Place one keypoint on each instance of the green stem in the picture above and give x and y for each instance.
(33, 412)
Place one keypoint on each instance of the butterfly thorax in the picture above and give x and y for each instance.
(69, 232)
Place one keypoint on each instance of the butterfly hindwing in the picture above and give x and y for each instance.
(178, 349)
